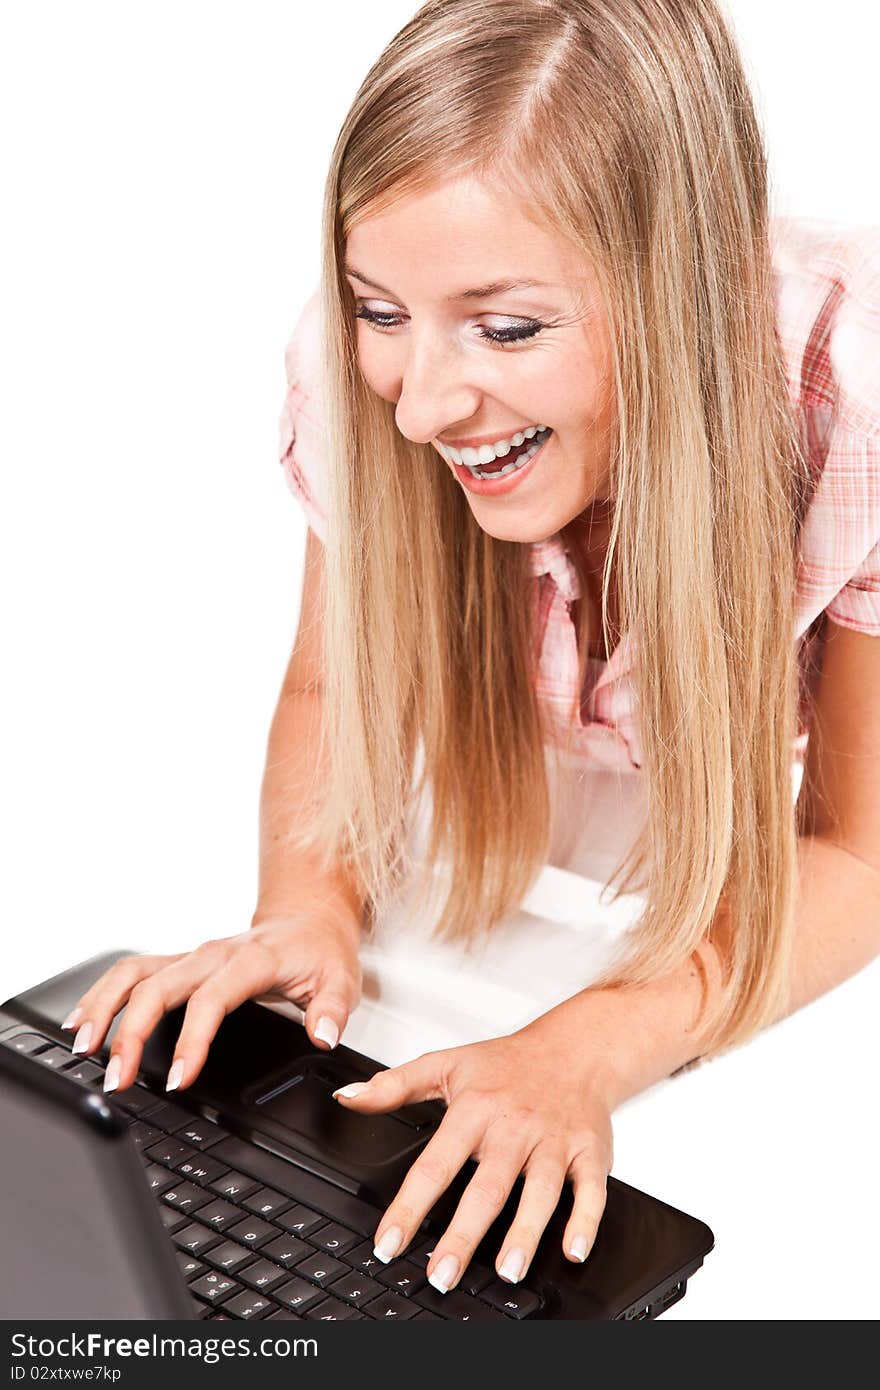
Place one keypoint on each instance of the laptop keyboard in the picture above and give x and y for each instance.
(256, 1237)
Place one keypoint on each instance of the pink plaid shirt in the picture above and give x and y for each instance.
(827, 291)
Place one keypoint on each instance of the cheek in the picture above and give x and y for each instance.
(377, 365)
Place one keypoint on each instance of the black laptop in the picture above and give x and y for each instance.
(253, 1194)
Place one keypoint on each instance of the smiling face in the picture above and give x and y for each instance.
(425, 345)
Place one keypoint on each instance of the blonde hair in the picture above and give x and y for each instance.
(628, 127)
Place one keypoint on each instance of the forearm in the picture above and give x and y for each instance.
(645, 1033)
(290, 879)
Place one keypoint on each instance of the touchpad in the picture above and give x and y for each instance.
(301, 1101)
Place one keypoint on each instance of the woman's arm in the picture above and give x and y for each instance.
(655, 1029)
(288, 879)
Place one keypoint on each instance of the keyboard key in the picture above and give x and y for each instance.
(281, 1314)
(390, 1307)
(229, 1255)
(356, 1288)
(475, 1279)
(201, 1133)
(159, 1178)
(262, 1274)
(189, 1265)
(456, 1306)
(331, 1310)
(297, 1293)
(322, 1269)
(172, 1220)
(201, 1169)
(214, 1286)
(265, 1202)
(171, 1117)
(420, 1251)
(186, 1197)
(137, 1100)
(219, 1214)
(246, 1305)
(54, 1057)
(143, 1134)
(85, 1072)
(403, 1277)
(513, 1300)
(353, 1212)
(286, 1250)
(337, 1239)
(27, 1043)
(301, 1221)
(234, 1185)
(253, 1232)
(363, 1258)
(195, 1239)
(169, 1151)
(425, 1316)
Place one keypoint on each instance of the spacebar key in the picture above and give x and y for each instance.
(301, 1186)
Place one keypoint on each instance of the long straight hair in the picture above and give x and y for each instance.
(627, 126)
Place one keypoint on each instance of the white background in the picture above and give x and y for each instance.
(162, 172)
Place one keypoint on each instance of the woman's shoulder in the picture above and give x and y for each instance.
(827, 285)
(300, 432)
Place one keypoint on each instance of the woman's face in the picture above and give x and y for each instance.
(426, 276)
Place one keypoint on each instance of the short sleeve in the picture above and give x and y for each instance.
(842, 526)
(300, 430)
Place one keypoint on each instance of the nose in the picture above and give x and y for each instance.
(437, 388)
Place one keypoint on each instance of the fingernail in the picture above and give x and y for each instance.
(82, 1039)
(386, 1248)
(111, 1075)
(326, 1031)
(578, 1248)
(72, 1019)
(445, 1274)
(349, 1092)
(175, 1075)
(513, 1266)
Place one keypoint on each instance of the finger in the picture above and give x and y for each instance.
(542, 1188)
(328, 1012)
(151, 998)
(480, 1203)
(97, 1008)
(455, 1139)
(590, 1182)
(421, 1079)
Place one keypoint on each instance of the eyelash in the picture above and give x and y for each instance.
(500, 336)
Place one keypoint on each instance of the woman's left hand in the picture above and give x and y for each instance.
(527, 1103)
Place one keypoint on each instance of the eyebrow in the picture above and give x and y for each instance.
(478, 292)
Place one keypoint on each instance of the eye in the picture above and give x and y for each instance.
(516, 332)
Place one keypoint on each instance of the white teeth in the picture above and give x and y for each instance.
(531, 431)
(470, 457)
(517, 439)
(503, 447)
(486, 453)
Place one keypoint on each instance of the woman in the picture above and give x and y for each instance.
(682, 579)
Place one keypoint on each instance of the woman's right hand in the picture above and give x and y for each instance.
(302, 957)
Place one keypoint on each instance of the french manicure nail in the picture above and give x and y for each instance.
(326, 1031)
(386, 1248)
(72, 1019)
(175, 1075)
(111, 1075)
(513, 1266)
(578, 1248)
(445, 1274)
(349, 1092)
(83, 1039)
